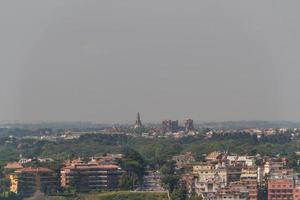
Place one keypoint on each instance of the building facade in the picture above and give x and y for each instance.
(296, 193)
(280, 189)
(27, 181)
(170, 126)
(90, 176)
(249, 180)
(188, 125)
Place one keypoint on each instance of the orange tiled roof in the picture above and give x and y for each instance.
(13, 165)
(214, 155)
(35, 169)
(87, 166)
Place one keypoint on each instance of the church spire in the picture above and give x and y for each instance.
(138, 122)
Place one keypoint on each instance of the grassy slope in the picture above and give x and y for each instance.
(128, 196)
(124, 195)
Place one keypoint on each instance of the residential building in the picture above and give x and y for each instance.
(273, 164)
(241, 160)
(27, 181)
(233, 192)
(209, 178)
(91, 175)
(207, 170)
(215, 156)
(296, 193)
(233, 173)
(11, 167)
(249, 180)
(188, 181)
(152, 181)
(183, 159)
(280, 189)
(208, 187)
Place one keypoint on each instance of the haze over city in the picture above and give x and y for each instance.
(104, 61)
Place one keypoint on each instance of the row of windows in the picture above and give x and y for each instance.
(280, 186)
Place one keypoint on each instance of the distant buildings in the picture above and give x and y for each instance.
(173, 126)
(170, 126)
(188, 124)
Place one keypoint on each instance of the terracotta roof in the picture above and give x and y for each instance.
(13, 165)
(35, 169)
(87, 166)
(214, 155)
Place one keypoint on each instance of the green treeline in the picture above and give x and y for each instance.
(154, 151)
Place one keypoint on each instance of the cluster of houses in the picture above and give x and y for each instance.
(97, 173)
(218, 176)
(223, 176)
(295, 132)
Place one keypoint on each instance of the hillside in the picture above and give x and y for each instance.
(125, 195)
(128, 196)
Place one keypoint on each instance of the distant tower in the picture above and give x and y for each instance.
(138, 122)
(188, 125)
(170, 126)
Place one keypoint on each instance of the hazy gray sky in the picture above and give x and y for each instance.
(105, 60)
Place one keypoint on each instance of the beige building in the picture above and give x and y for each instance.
(209, 179)
(206, 170)
(249, 180)
(235, 191)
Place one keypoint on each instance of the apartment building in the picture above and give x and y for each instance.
(27, 181)
(280, 189)
(90, 176)
(208, 179)
(235, 191)
(250, 181)
(296, 193)
(184, 159)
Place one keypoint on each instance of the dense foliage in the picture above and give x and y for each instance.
(154, 151)
(134, 165)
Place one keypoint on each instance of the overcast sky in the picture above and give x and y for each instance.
(103, 61)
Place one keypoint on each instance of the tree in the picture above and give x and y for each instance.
(178, 194)
(170, 182)
(133, 155)
(195, 197)
(126, 182)
(168, 168)
(134, 165)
